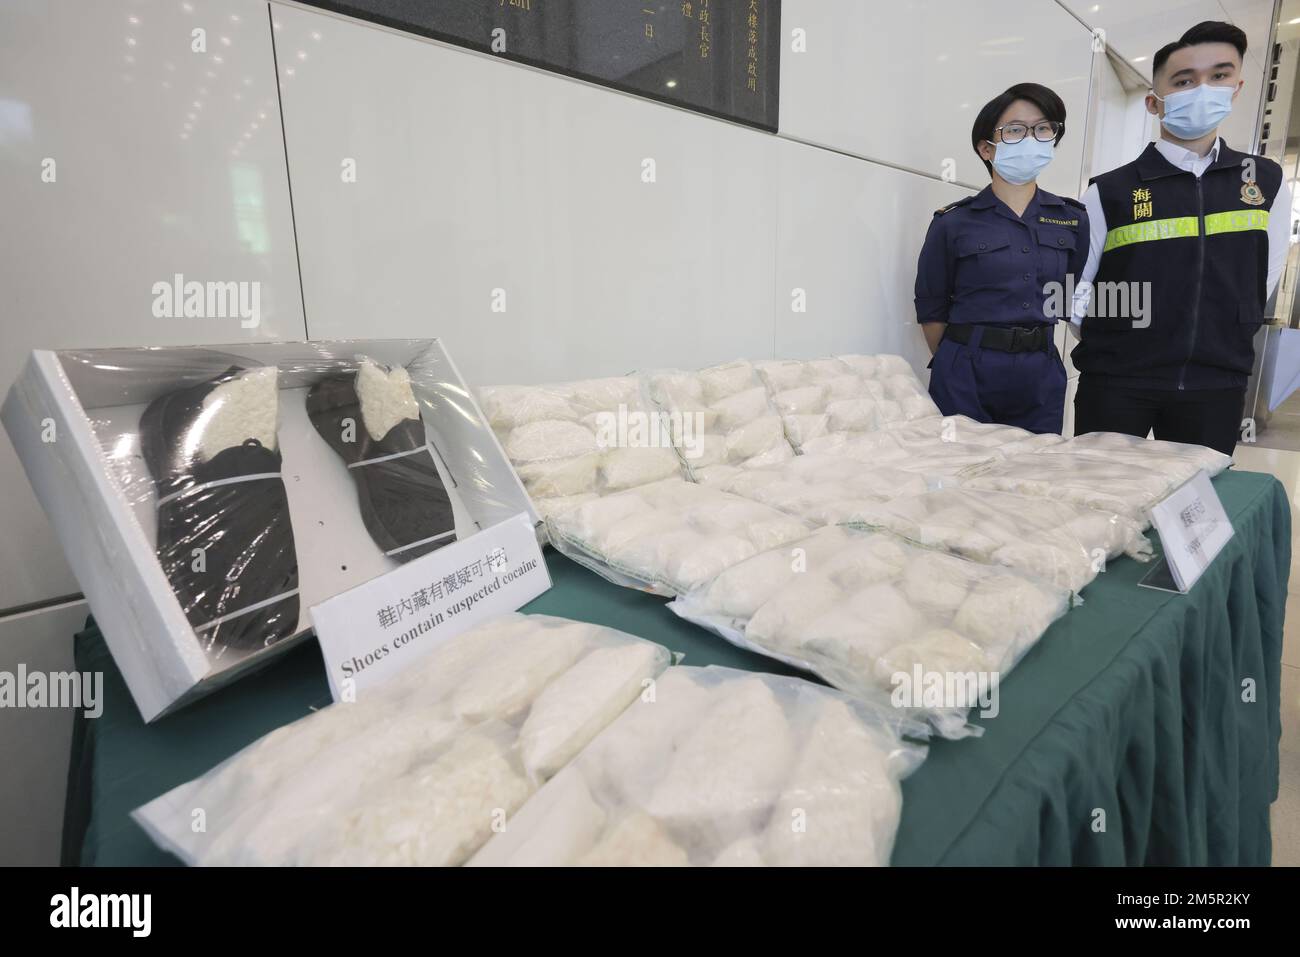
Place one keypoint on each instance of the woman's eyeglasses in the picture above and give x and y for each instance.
(1044, 132)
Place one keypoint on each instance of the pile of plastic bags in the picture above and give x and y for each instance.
(419, 769)
(725, 417)
(669, 537)
(570, 442)
(946, 446)
(843, 395)
(821, 489)
(1055, 541)
(724, 768)
(1175, 458)
(1086, 479)
(861, 608)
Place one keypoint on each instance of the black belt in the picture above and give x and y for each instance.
(1003, 338)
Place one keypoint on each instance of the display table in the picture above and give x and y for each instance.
(1126, 736)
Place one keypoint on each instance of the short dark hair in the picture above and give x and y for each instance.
(1208, 31)
(986, 122)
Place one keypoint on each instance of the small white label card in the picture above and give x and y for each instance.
(1193, 529)
(374, 631)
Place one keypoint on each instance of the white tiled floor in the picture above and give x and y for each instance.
(1285, 465)
(1283, 428)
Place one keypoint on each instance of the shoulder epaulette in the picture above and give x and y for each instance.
(952, 206)
(1076, 203)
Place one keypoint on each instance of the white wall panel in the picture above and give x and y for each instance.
(849, 237)
(1136, 29)
(1253, 16)
(902, 82)
(106, 91)
(1120, 126)
(474, 175)
(34, 742)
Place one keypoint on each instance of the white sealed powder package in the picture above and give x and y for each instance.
(841, 396)
(725, 768)
(722, 416)
(821, 489)
(669, 537)
(861, 609)
(1176, 458)
(946, 444)
(417, 771)
(573, 441)
(1061, 543)
(1087, 479)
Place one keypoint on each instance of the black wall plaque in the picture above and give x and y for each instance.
(720, 57)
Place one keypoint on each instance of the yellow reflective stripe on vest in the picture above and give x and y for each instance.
(1182, 227)
(1236, 221)
(1178, 228)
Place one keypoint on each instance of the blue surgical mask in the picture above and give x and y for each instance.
(1190, 114)
(1020, 163)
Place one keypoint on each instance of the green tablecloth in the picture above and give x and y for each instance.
(1126, 736)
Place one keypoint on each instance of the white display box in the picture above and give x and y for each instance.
(74, 417)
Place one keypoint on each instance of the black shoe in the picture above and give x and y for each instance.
(240, 590)
(403, 501)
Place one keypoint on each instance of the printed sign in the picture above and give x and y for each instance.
(1193, 529)
(374, 631)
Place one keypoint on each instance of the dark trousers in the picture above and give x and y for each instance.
(1209, 417)
(1024, 389)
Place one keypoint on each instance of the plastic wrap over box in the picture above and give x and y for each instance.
(207, 497)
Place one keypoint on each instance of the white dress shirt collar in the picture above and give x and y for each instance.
(1187, 160)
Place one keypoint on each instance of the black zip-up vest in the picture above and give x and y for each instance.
(1202, 244)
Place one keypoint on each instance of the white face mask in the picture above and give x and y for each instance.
(1190, 114)
(1020, 163)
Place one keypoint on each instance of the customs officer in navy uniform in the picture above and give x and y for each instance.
(992, 277)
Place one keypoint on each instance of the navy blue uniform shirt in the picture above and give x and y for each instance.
(981, 263)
